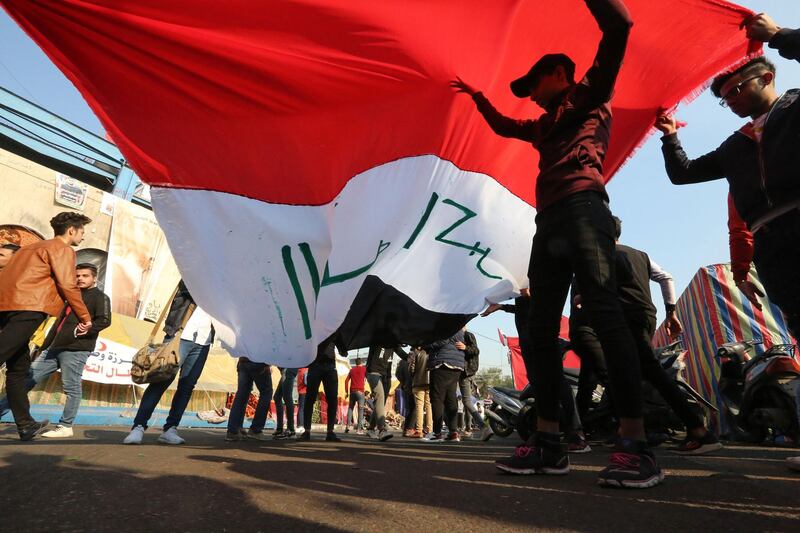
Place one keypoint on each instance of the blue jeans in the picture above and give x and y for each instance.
(71, 365)
(193, 359)
(284, 399)
(465, 386)
(378, 418)
(249, 373)
(356, 397)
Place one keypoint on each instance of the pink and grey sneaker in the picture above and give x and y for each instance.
(536, 457)
(632, 466)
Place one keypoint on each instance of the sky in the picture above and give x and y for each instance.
(681, 228)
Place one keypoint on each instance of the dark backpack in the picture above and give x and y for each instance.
(471, 354)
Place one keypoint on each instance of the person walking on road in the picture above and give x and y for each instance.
(35, 283)
(196, 338)
(68, 352)
(354, 390)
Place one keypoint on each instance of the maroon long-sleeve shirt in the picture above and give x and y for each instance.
(572, 136)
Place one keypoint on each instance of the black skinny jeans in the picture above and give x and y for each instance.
(593, 364)
(321, 372)
(642, 328)
(569, 417)
(576, 236)
(444, 398)
(16, 329)
(776, 255)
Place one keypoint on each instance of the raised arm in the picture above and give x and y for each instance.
(597, 85)
(680, 169)
(785, 40)
(500, 124)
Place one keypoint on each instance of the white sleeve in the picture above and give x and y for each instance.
(663, 278)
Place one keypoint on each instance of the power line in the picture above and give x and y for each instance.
(18, 82)
(486, 337)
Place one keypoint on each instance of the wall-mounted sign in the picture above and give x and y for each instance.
(107, 204)
(71, 192)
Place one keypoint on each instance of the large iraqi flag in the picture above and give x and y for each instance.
(312, 168)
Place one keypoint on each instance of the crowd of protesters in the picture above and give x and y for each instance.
(575, 247)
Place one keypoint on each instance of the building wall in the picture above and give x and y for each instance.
(28, 199)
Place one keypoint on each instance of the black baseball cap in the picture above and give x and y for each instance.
(521, 87)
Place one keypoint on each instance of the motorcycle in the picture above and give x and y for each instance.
(515, 410)
(659, 419)
(759, 394)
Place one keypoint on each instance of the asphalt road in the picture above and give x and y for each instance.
(93, 483)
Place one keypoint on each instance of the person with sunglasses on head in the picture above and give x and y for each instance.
(760, 162)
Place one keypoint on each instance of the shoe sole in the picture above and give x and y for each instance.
(131, 443)
(163, 441)
(706, 448)
(532, 471)
(35, 434)
(45, 436)
(632, 484)
(582, 450)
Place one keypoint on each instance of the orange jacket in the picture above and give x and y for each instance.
(40, 277)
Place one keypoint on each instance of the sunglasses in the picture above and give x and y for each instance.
(735, 91)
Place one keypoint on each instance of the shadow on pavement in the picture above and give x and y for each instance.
(92, 482)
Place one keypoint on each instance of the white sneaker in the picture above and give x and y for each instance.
(60, 432)
(371, 433)
(433, 437)
(171, 436)
(135, 436)
(300, 430)
(486, 433)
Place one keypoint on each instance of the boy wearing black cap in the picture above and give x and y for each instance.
(575, 234)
